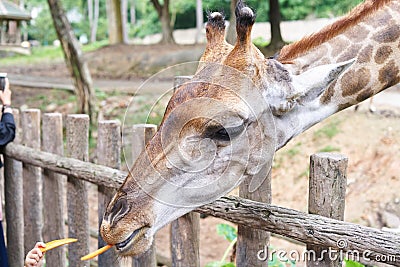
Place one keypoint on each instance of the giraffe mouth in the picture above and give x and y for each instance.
(132, 239)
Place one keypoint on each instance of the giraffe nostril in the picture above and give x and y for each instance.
(118, 210)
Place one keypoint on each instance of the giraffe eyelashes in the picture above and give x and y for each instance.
(222, 133)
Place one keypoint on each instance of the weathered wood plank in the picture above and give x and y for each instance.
(33, 205)
(13, 187)
(185, 231)
(53, 189)
(97, 174)
(77, 128)
(141, 134)
(185, 240)
(108, 154)
(307, 228)
(327, 196)
(250, 240)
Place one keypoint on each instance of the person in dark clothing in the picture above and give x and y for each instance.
(7, 134)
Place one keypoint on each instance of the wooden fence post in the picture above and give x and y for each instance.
(14, 205)
(141, 134)
(250, 241)
(327, 193)
(185, 231)
(33, 205)
(185, 241)
(77, 195)
(53, 189)
(108, 154)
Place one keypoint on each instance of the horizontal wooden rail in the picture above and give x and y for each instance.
(96, 174)
(307, 228)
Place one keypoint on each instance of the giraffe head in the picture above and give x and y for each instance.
(218, 129)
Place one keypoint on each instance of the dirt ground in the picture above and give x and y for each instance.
(371, 141)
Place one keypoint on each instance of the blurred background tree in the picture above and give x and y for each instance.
(144, 19)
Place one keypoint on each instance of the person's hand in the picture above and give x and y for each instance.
(5, 96)
(34, 258)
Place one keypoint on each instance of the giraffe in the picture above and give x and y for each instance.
(240, 107)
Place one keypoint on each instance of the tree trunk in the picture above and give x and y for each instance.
(132, 10)
(93, 11)
(74, 59)
(275, 20)
(231, 33)
(199, 20)
(124, 20)
(115, 32)
(165, 18)
(90, 13)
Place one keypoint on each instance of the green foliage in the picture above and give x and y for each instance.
(350, 263)
(276, 262)
(227, 231)
(298, 9)
(42, 27)
(182, 13)
(147, 20)
(94, 46)
(260, 41)
(218, 264)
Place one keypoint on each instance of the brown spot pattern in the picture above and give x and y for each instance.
(345, 105)
(389, 75)
(356, 16)
(364, 94)
(382, 54)
(354, 81)
(350, 53)
(388, 36)
(365, 54)
(357, 33)
(381, 21)
(325, 61)
(339, 44)
(328, 94)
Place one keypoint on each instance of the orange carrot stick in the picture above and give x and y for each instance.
(96, 253)
(57, 243)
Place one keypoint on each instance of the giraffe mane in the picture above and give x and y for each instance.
(291, 51)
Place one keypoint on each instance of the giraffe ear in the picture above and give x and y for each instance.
(310, 84)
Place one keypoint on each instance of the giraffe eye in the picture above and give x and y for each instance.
(224, 133)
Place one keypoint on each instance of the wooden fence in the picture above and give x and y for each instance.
(39, 174)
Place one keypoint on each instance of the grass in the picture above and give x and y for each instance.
(329, 148)
(329, 131)
(294, 150)
(45, 53)
(260, 41)
(55, 96)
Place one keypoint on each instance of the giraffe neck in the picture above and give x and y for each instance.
(374, 42)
